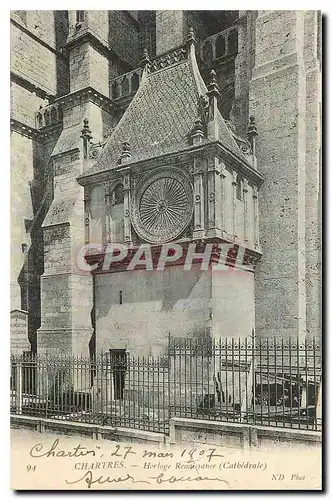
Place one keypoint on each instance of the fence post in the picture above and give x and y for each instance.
(19, 387)
(253, 378)
(318, 419)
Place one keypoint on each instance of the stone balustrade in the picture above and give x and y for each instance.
(49, 116)
(126, 84)
(220, 45)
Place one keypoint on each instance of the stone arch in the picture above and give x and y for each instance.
(39, 120)
(239, 187)
(117, 194)
(134, 82)
(220, 46)
(232, 42)
(47, 119)
(54, 115)
(207, 52)
(125, 86)
(117, 214)
(115, 90)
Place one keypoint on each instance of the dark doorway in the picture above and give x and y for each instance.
(119, 367)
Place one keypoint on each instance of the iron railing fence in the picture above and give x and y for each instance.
(110, 390)
(266, 381)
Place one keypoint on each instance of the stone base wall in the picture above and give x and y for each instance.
(240, 436)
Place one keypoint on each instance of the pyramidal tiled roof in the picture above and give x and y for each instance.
(161, 117)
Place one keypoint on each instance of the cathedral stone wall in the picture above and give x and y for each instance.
(123, 37)
(277, 79)
(176, 302)
(33, 61)
(154, 305)
(24, 104)
(21, 208)
(170, 29)
(279, 100)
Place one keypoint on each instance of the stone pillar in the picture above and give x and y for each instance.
(256, 218)
(244, 63)
(245, 210)
(87, 215)
(67, 290)
(126, 206)
(234, 203)
(198, 199)
(213, 198)
(278, 102)
(312, 170)
(222, 195)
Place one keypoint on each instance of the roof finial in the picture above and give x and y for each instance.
(213, 94)
(197, 133)
(191, 36)
(213, 88)
(126, 154)
(145, 60)
(86, 136)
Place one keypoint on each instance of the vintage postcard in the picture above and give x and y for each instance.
(165, 250)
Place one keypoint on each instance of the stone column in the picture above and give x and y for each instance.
(278, 102)
(245, 210)
(222, 195)
(256, 217)
(87, 215)
(243, 68)
(198, 199)
(126, 206)
(313, 219)
(213, 198)
(234, 204)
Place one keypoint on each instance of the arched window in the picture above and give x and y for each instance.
(134, 82)
(117, 215)
(39, 120)
(125, 86)
(115, 90)
(53, 115)
(97, 214)
(207, 53)
(117, 195)
(47, 117)
(79, 16)
(220, 46)
(232, 42)
(239, 187)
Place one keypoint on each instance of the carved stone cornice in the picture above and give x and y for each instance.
(248, 262)
(33, 133)
(25, 130)
(186, 155)
(86, 94)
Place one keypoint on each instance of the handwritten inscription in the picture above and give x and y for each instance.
(90, 480)
(121, 464)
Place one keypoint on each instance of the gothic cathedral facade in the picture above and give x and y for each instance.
(192, 129)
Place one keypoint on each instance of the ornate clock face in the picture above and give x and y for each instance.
(162, 205)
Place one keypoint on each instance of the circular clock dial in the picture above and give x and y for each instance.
(163, 206)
